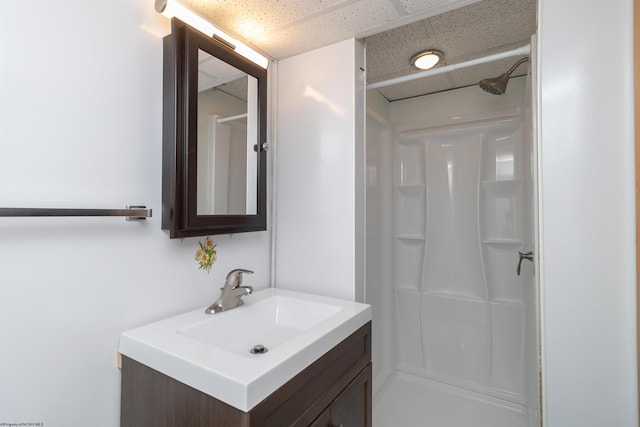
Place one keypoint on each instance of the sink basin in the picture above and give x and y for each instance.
(269, 322)
(212, 353)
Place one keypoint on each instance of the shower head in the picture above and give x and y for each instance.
(498, 85)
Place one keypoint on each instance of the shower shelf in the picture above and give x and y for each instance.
(410, 237)
(505, 242)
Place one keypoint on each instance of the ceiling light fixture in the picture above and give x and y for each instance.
(426, 59)
(171, 8)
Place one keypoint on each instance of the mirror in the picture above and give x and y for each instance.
(214, 126)
(227, 131)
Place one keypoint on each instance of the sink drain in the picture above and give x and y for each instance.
(258, 349)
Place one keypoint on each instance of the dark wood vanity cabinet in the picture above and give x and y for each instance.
(348, 408)
(335, 390)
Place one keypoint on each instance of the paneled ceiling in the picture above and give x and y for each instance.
(394, 31)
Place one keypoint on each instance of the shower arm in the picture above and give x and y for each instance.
(516, 65)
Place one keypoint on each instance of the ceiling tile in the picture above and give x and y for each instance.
(486, 26)
(265, 24)
(416, 6)
(328, 28)
(264, 16)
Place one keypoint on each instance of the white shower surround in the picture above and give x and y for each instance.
(460, 316)
(460, 219)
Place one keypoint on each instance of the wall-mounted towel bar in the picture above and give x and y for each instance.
(132, 213)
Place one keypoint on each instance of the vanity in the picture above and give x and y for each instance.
(278, 358)
(312, 366)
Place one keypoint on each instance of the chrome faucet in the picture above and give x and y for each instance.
(231, 293)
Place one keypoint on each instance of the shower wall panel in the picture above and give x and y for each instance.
(379, 250)
(458, 225)
(453, 262)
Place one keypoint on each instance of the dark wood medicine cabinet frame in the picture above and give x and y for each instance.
(179, 155)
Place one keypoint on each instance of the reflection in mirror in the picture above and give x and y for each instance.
(226, 134)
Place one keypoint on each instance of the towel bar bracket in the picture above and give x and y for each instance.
(141, 214)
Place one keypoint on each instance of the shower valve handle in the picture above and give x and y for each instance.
(528, 256)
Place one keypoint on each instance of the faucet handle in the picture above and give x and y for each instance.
(234, 278)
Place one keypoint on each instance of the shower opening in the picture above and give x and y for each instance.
(450, 206)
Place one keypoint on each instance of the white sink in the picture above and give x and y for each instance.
(270, 322)
(211, 352)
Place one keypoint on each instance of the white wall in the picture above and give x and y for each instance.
(587, 188)
(320, 172)
(80, 126)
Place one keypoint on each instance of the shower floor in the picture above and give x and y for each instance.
(410, 401)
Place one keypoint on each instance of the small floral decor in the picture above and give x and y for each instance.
(207, 254)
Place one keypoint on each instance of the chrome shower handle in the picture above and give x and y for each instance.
(528, 256)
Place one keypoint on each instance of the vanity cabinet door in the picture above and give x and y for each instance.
(324, 420)
(352, 407)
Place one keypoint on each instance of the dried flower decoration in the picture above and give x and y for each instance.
(207, 254)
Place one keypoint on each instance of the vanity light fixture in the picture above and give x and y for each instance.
(171, 8)
(427, 59)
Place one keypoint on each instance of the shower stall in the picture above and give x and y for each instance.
(450, 227)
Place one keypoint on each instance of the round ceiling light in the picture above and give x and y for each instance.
(426, 59)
